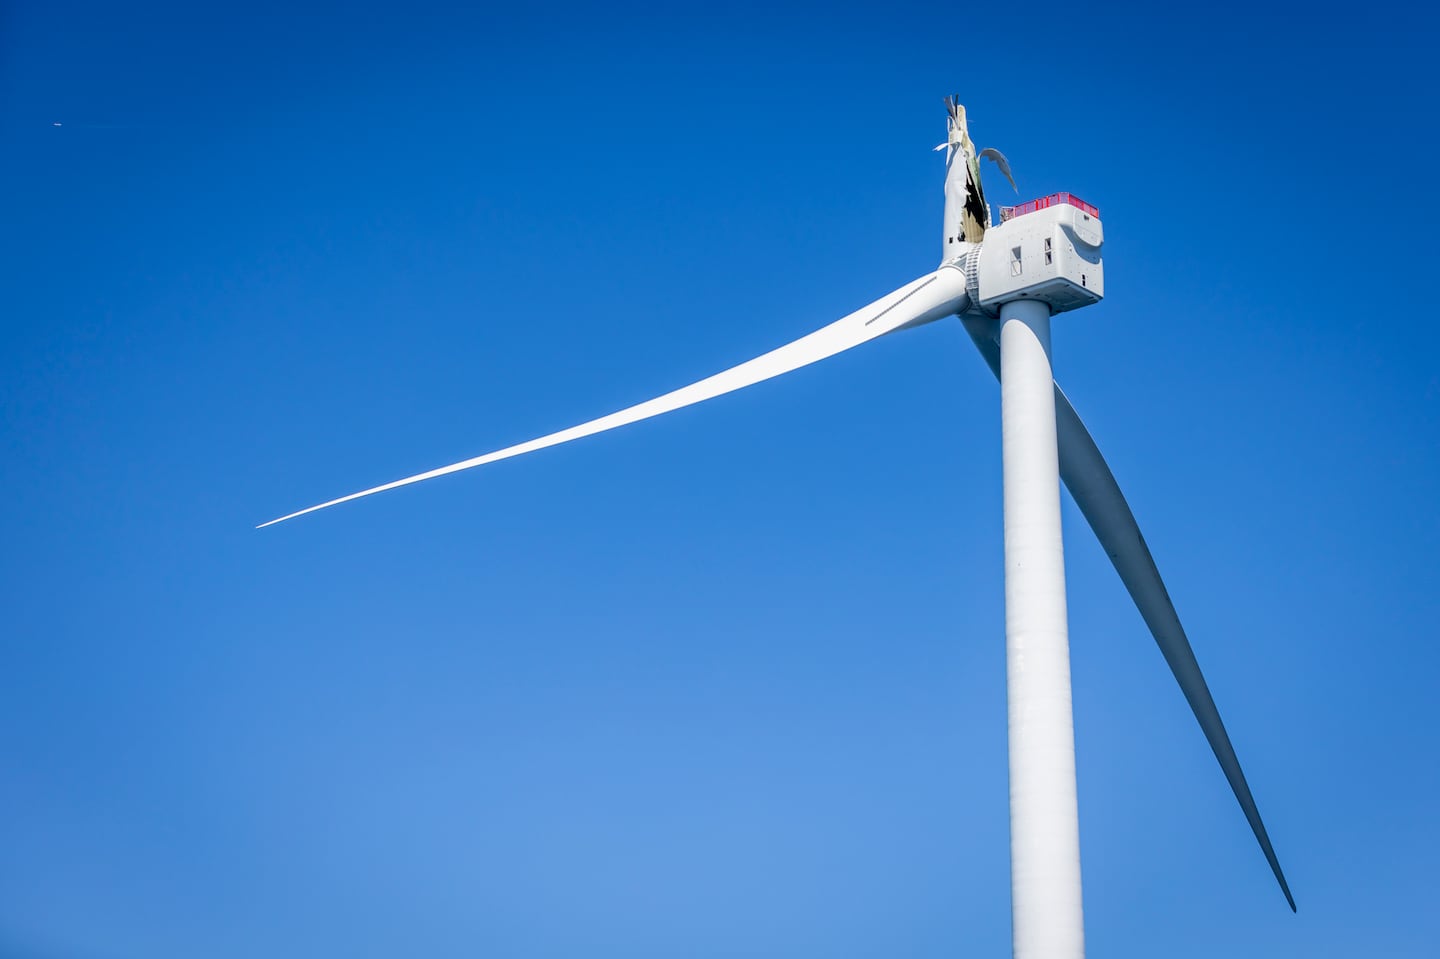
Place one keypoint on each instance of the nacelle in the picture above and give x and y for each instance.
(1047, 249)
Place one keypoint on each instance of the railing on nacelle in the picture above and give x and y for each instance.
(1010, 212)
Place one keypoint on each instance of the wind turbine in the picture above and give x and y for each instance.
(1004, 281)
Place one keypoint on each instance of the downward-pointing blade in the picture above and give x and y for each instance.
(931, 297)
(1098, 495)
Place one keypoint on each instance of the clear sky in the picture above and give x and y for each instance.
(731, 682)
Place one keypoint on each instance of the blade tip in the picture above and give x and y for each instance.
(1284, 884)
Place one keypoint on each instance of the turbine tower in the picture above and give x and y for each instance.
(1005, 281)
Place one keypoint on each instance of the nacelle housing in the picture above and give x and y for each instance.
(1047, 250)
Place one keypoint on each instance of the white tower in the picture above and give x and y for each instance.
(1044, 817)
(1044, 260)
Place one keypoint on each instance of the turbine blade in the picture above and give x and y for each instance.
(930, 297)
(998, 158)
(1093, 486)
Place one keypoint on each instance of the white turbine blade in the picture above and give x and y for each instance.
(1098, 495)
(998, 158)
(931, 297)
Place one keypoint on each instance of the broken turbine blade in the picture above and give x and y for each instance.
(998, 158)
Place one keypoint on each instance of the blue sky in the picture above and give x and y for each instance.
(730, 682)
